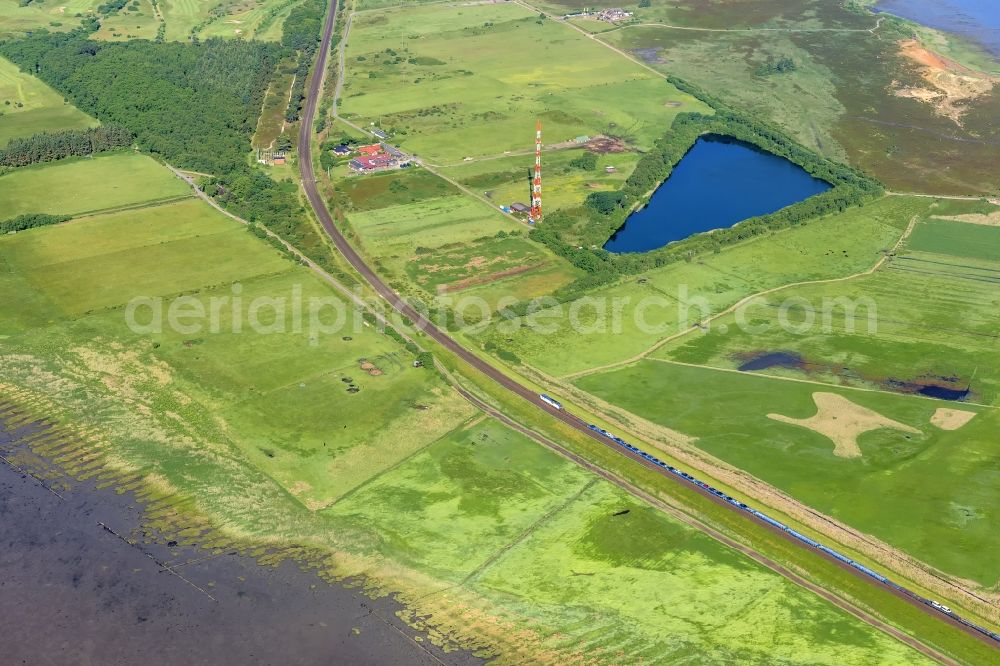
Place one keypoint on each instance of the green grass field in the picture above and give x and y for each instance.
(256, 431)
(453, 82)
(15, 20)
(28, 106)
(140, 23)
(963, 241)
(926, 317)
(399, 230)
(83, 185)
(505, 180)
(581, 566)
(928, 493)
(665, 301)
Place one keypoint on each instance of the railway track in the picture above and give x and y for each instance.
(530, 395)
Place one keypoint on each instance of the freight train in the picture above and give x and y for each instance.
(763, 517)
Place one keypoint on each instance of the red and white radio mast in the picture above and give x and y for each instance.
(536, 183)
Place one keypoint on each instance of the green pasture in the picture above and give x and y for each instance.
(929, 494)
(456, 82)
(28, 106)
(505, 180)
(924, 317)
(617, 322)
(957, 239)
(476, 263)
(586, 566)
(257, 431)
(130, 24)
(148, 252)
(398, 230)
(258, 19)
(804, 102)
(82, 185)
(594, 574)
(394, 188)
(15, 20)
(268, 355)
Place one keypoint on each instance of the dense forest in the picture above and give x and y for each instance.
(46, 147)
(196, 105)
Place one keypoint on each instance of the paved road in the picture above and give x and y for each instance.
(511, 385)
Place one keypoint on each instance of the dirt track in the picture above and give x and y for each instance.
(421, 322)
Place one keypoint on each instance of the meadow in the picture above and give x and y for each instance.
(848, 94)
(129, 23)
(15, 20)
(456, 82)
(271, 123)
(505, 180)
(576, 565)
(421, 229)
(28, 106)
(926, 317)
(333, 446)
(923, 489)
(75, 186)
(666, 301)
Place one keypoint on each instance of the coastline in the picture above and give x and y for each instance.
(74, 590)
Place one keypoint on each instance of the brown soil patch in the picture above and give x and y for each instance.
(991, 220)
(951, 419)
(370, 368)
(952, 85)
(843, 422)
(479, 262)
(484, 279)
(605, 144)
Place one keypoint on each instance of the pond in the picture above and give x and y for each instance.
(718, 183)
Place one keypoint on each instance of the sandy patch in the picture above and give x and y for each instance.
(370, 368)
(843, 422)
(951, 419)
(991, 220)
(952, 85)
(299, 487)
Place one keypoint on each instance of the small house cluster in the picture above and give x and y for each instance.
(375, 157)
(271, 157)
(611, 15)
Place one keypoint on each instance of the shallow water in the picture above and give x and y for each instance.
(979, 20)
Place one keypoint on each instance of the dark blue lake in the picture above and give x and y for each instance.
(978, 20)
(720, 182)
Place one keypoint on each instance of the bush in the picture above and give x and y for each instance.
(31, 221)
(586, 162)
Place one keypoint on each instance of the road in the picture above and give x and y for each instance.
(511, 385)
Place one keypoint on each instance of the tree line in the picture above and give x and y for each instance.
(46, 147)
(30, 221)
